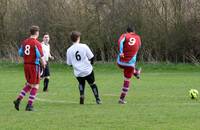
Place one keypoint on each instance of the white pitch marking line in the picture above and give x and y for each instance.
(52, 101)
(137, 104)
(110, 94)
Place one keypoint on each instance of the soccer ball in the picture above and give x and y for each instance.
(193, 93)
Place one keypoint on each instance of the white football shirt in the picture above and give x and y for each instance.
(78, 56)
(46, 51)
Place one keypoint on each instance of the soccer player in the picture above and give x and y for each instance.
(31, 51)
(80, 57)
(128, 45)
(47, 55)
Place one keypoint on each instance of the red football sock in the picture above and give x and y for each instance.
(23, 92)
(32, 96)
(124, 89)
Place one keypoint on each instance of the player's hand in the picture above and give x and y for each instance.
(52, 58)
(43, 63)
(122, 55)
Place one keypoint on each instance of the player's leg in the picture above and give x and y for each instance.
(23, 92)
(91, 80)
(25, 89)
(137, 72)
(32, 97)
(46, 78)
(46, 84)
(34, 81)
(81, 87)
(128, 71)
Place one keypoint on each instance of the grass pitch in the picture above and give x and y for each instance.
(159, 101)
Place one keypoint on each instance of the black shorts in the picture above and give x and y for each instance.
(45, 72)
(90, 79)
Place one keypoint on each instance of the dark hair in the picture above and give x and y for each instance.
(34, 29)
(74, 35)
(130, 28)
(46, 33)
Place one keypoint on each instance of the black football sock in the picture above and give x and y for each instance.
(95, 91)
(81, 89)
(46, 83)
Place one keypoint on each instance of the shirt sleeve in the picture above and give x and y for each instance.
(21, 51)
(89, 53)
(39, 47)
(68, 60)
(121, 43)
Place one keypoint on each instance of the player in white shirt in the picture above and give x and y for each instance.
(80, 57)
(47, 54)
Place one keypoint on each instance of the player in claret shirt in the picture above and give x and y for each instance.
(128, 45)
(31, 51)
(80, 57)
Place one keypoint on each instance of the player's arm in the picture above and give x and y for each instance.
(39, 54)
(121, 41)
(50, 56)
(92, 60)
(89, 55)
(68, 60)
(140, 43)
(21, 51)
(42, 62)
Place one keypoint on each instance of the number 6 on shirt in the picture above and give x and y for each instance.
(78, 57)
